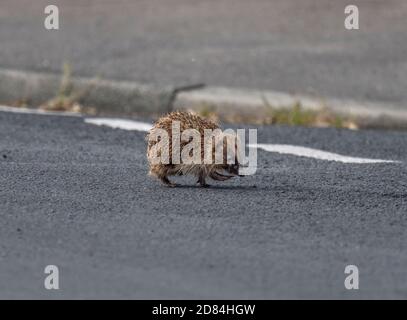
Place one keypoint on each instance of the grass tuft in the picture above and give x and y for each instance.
(67, 99)
(295, 115)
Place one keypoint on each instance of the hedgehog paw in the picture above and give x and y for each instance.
(203, 184)
(167, 182)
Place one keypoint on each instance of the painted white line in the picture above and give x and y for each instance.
(316, 154)
(278, 148)
(120, 124)
(39, 111)
(145, 127)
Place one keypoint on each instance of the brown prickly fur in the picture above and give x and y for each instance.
(201, 171)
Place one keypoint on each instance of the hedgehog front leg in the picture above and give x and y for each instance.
(164, 180)
(201, 180)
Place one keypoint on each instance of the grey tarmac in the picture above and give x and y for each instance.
(78, 196)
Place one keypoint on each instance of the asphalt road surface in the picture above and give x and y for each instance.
(284, 45)
(77, 196)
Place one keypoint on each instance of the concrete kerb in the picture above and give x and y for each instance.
(122, 97)
(227, 100)
(125, 97)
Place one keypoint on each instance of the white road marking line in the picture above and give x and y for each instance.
(39, 111)
(316, 154)
(278, 148)
(143, 126)
(120, 124)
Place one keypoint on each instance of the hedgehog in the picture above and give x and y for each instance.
(219, 171)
